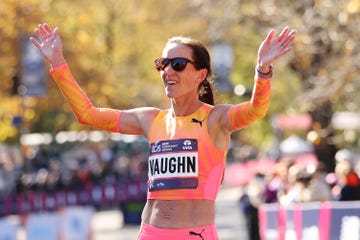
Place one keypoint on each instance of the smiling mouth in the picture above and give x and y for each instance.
(170, 82)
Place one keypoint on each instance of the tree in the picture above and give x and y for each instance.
(325, 59)
(110, 46)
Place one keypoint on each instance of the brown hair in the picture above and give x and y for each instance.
(201, 59)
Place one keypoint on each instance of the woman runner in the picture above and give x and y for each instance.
(188, 141)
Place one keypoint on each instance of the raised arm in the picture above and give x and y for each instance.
(225, 119)
(133, 121)
(272, 48)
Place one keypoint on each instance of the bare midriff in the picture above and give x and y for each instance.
(179, 213)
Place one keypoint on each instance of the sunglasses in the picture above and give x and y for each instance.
(177, 63)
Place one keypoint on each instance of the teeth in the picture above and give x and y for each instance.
(170, 82)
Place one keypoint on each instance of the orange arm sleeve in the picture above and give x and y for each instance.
(242, 115)
(84, 110)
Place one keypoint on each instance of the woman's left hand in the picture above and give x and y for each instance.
(274, 47)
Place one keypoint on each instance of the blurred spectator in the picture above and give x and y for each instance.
(51, 176)
(40, 180)
(7, 176)
(273, 184)
(77, 182)
(76, 166)
(302, 186)
(292, 187)
(250, 202)
(24, 183)
(319, 189)
(96, 174)
(53, 182)
(348, 186)
(41, 158)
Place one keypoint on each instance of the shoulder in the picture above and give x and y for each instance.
(146, 115)
(143, 112)
(136, 121)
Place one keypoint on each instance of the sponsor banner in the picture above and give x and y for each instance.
(315, 221)
(268, 221)
(309, 228)
(345, 221)
(8, 230)
(44, 226)
(290, 221)
(76, 223)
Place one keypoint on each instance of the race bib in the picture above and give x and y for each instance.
(173, 164)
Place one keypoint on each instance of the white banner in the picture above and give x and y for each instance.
(42, 226)
(76, 223)
(8, 230)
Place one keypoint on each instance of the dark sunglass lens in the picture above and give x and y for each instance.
(178, 64)
(165, 62)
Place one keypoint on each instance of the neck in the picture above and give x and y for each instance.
(184, 108)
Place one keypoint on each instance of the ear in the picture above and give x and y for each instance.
(202, 74)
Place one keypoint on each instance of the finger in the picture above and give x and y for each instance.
(36, 43)
(47, 29)
(289, 38)
(41, 32)
(269, 36)
(36, 31)
(283, 33)
(56, 32)
(292, 33)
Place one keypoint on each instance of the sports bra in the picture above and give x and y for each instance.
(183, 162)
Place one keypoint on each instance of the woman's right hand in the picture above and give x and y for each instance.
(50, 44)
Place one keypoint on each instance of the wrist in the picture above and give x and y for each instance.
(263, 68)
(57, 62)
(265, 72)
(58, 67)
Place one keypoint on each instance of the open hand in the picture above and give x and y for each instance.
(274, 47)
(50, 44)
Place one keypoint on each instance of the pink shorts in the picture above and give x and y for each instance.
(148, 232)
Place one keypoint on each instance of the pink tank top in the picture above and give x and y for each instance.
(183, 162)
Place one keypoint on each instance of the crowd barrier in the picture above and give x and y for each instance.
(315, 221)
(67, 224)
(97, 196)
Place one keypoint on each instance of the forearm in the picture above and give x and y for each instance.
(244, 114)
(85, 112)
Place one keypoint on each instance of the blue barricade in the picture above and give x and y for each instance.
(316, 221)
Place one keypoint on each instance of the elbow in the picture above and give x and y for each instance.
(86, 116)
(260, 114)
(81, 119)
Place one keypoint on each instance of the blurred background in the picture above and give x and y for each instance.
(49, 161)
